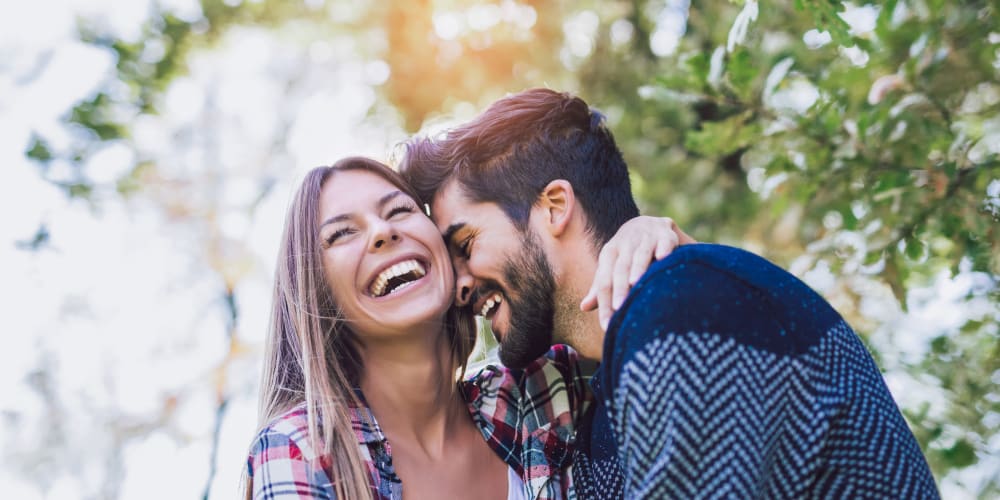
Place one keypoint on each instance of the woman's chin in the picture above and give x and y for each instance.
(411, 311)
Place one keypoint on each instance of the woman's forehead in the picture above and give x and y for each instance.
(351, 186)
(352, 191)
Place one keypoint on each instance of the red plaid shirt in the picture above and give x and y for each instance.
(527, 417)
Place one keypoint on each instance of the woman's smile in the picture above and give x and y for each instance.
(403, 274)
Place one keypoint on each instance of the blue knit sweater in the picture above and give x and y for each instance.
(726, 377)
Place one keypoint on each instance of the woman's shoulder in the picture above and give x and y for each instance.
(283, 462)
(286, 436)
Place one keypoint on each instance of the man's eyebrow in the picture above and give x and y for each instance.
(380, 204)
(452, 229)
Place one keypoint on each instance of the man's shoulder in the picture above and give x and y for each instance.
(698, 277)
(735, 262)
(708, 268)
(708, 288)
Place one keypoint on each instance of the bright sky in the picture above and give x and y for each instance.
(124, 309)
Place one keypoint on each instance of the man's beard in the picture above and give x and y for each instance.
(531, 300)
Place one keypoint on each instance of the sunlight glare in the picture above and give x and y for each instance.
(447, 25)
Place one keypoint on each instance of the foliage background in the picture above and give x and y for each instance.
(149, 149)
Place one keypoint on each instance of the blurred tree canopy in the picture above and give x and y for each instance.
(858, 140)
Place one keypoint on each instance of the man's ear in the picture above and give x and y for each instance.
(557, 203)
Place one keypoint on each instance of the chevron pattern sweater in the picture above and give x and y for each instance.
(726, 377)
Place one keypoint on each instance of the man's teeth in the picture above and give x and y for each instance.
(409, 266)
(488, 306)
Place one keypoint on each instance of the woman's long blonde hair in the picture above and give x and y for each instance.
(311, 355)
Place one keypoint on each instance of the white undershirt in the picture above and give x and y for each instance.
(515, 486)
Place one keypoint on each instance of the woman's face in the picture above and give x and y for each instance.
(385, 262)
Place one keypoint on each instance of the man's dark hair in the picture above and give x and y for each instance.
(510, 152)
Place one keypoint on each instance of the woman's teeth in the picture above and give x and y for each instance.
(488, 306)
(381, 283)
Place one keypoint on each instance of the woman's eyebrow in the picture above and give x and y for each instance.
(335, 219)
(380, 204)
(387, 198)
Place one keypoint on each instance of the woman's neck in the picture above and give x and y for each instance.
(410, 387)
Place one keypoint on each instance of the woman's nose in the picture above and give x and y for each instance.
(383, 233)
(380, 242)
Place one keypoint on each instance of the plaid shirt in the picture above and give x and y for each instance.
(527, 417)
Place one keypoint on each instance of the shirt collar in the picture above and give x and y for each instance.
(364, 423)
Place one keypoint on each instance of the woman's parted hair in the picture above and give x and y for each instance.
(311, 356)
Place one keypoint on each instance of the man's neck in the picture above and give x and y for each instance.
(580, 330)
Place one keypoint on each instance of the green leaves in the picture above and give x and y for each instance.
(740, 72)
(39, 150)
(825, 15)
(698, 66)
(95, 115)
(723, 137)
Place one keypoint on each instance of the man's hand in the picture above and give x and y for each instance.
(625, 257)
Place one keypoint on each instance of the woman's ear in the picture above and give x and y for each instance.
(556, 204)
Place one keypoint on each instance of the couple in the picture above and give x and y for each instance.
(719, 374)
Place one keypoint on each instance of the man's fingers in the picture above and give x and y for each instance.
(684, 238)
(600, 290)
(589, 302)
(640, 262)
(625, 258)
(620, 280)
(666, 245)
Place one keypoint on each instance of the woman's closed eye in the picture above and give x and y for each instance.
(337, 234)
(402, 208)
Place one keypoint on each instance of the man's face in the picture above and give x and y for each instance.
(501, 272)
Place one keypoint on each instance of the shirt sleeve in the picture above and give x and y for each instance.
(528, 416)
(279, 471)
(554, 394)
(560, 370)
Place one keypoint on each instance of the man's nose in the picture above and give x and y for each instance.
(464, 283)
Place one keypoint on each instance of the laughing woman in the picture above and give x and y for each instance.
(362, 326)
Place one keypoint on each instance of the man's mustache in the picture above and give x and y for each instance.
(485, 290)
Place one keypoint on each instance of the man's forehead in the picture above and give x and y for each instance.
(447, 206)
